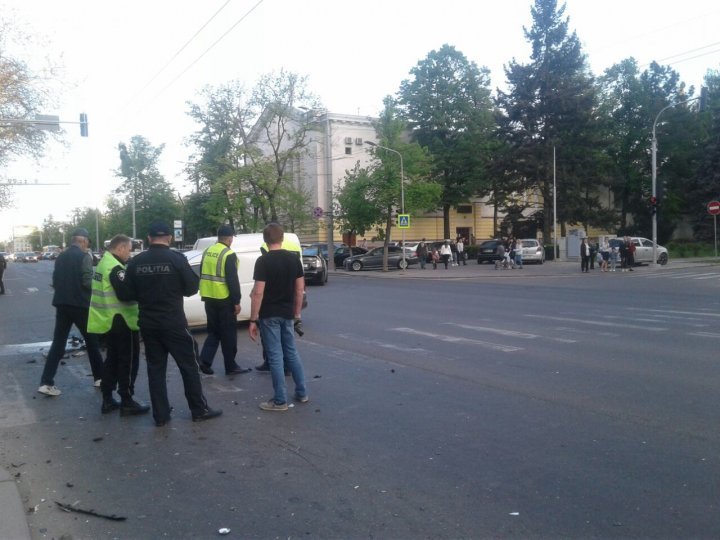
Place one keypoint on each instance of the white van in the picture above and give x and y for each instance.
(247, 249)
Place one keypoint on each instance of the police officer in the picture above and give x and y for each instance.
(288, 245)
(72, 281)
(220, 291)
(158, 279)
(119, 322)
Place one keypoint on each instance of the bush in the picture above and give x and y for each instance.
(681, 250)
(472, 251)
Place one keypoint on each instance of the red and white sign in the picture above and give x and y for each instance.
(713, 208)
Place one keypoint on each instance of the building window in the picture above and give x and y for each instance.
(464, 209)
(348, 150)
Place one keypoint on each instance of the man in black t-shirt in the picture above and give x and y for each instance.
(276, 304)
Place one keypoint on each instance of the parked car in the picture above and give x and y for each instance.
(374, 259)
(488, 251)
(344, 252)
(323, 248)
(532, 251)
(27, 257)
(247, 249)
(314, 265)
(643, 250)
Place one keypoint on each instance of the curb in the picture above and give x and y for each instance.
(13, 523)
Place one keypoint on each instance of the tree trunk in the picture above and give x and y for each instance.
(446, 221)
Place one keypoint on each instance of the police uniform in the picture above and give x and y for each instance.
(118, 320)
(158, 279)
(220, 292)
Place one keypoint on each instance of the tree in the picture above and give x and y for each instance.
(372, 196)
(153, 195)
(246, 148)
(552, 102)
(23, 94)
(448, 108)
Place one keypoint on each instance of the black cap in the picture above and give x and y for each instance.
(159, 228)
(225, 230)
(81, 232)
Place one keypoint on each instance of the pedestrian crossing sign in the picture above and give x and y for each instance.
(403, 221)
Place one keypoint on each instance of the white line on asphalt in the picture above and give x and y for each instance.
(634, 319)
(692, 276)
(32, 289)
(704, 334)
(598, 323)
(7, 350)
(677, 312)
(511, 333)
(662, 316)
(454, 339)
(712, 276)
(383, 344)
(593, 332)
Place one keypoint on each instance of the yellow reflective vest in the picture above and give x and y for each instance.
(104, 303)
(212, 272)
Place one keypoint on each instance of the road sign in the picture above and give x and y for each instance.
(713, 208)
(403, 221)
(318, 212)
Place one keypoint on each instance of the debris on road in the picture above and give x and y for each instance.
(69, 508)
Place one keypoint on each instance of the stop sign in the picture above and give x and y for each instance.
(713, 208)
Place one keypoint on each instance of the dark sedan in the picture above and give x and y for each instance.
(488, 251)
(343, 253)
(314, 265)
(374, 259)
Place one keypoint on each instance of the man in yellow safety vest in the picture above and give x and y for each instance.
(119, 321)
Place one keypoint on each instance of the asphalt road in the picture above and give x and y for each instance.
(542, 406)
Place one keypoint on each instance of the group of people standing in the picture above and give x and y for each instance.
(126, 298)
(450, 253)
(608, 255)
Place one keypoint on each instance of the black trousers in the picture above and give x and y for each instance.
(222, 330)
(179, 343)
(2, 285)
(584, 263)
(65, 317)
(122, 360)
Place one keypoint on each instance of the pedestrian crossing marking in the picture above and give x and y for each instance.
(599, 323)
(510, 333)
(455, 339)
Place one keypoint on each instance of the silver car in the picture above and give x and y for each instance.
(532, 251)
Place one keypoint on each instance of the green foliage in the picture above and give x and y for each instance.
(448, 108)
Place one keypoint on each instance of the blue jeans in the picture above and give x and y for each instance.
(279, 342)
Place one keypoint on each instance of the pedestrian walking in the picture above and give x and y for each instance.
(630, 253)
(460, 245)
(220, 293)
(614, 257)
(158, 279)
(3, 266)
(584, 256)
(446, 253)
(118, 322)
(276, 305)
(604, 254)
(422, 253)
(454, 252)
(517, 249)
(72, 284)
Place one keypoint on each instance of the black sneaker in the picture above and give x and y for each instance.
(132, 408)
(238, 371)
(207, 370)
(263, 368)
(207, 415)
(109, 405)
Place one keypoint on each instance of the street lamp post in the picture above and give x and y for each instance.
(653, 149)
(402, 191)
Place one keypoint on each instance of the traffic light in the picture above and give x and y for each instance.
(653, 204)
(83, 125)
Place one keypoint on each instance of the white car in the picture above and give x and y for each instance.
(644, 249)
(532, 251)
(247, 249)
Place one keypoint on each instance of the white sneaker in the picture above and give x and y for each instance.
(97, 383)
(49, 390)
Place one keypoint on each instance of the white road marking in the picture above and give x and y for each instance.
(393, 346)
(677, 312)
(454, 339)
(692, 276)
(709, 276)
(7, 350)
(592, 332)
(704, 334)
(598, 323)
(511, 333)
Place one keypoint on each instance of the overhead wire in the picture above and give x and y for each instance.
(179, 51)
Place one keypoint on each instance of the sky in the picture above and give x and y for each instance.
(133, 66)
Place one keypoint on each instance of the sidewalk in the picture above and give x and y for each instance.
(13, 522)
(475, 270)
